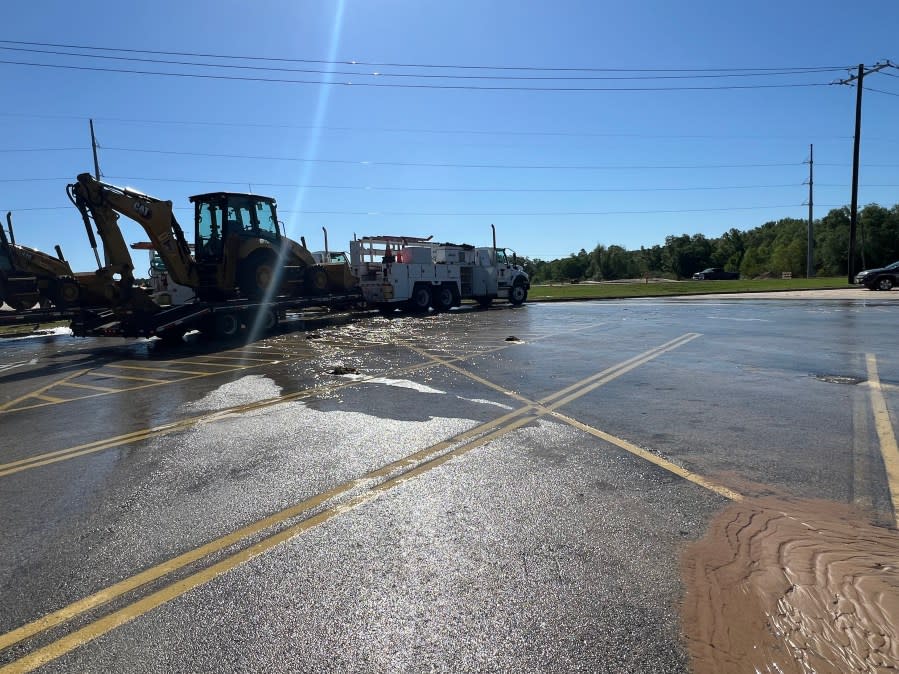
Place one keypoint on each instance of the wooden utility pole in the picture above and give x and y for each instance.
(810, 257)
(853, 208)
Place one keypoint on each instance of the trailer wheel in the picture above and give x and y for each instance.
(443, 297)
(256, 274)
(518, 293)
(227, 325)
(269, 320)
(420, 300)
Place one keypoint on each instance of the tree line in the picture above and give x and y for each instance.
(769, 250)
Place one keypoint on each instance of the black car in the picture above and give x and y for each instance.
(884, 278)
(715, 274)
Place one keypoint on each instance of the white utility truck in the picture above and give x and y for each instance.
(406, 272)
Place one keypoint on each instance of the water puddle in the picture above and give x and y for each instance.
(783, 585)
(250, 389)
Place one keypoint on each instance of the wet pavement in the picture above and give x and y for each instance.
(420, 493)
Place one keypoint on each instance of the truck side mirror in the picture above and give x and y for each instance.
(514, 259)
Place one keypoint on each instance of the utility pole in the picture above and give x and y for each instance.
(94, 147)
(853, 208)
(809, 257)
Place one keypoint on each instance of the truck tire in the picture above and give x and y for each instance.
(256, 274)
(65, 293)
(420, 300)
(518, 293)
(316, 280)
(269, 320)
(443, 297)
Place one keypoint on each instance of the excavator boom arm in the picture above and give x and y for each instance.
(104, 202)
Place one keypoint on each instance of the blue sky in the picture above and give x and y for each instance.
(554, 170)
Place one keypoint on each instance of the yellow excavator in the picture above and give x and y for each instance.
(29, 277)
(239, 248)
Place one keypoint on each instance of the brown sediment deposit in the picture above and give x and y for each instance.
(789, 585)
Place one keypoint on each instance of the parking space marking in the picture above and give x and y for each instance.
(90, 387)
(109, 375)
(884, 426)
(602, 435)
(411, 466)
(51, 399)
(152, 369)
(7, 405)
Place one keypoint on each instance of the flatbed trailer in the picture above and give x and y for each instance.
(224, 319)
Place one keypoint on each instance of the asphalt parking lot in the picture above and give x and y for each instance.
(496, 490)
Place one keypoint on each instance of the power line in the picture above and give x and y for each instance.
(448, 164)
(414, 65)
(413, 130)
(396, 85)
(357, 73)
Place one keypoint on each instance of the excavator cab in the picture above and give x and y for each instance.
(222, 217)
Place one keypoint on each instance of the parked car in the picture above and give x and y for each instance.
(715, 274)
(884, 278)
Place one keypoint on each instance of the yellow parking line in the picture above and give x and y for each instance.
(40, 391)
(238, 358)
(152, 369)
(50, 399)
(480, 435)
(91, 387)
(100, 373)
(884, 426)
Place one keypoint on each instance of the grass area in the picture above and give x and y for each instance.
(661, 288)
(23, 329)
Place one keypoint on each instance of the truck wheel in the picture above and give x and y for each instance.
(316, 279)
(443, 297)
(227, 325)
(885, 283)
(256, 275)
(518, 294)
(65, 293)
(421, 299)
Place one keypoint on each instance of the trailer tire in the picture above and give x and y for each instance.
(443, 297)
(269, 322)
(420, 300)
(256, 274)
(227, 325)
(518, 293)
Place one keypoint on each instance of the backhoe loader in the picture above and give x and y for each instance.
(239, 248)
(27, 275)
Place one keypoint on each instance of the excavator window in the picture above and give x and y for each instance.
(209, 237)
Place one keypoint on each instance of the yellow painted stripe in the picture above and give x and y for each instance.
(90, 387)
(100, 373)
(237, 358)
(496, 428)
(50, 399)
(153, 369)
(652, 458)
(885, 434)
(41, 390)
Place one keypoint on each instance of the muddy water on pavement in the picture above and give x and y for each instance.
(782, 585)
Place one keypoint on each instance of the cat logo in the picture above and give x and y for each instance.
(143, 209)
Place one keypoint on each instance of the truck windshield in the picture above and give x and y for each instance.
(501, 256)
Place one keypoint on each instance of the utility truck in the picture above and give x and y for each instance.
(415, 274)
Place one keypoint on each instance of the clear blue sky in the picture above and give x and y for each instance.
(605, 157)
